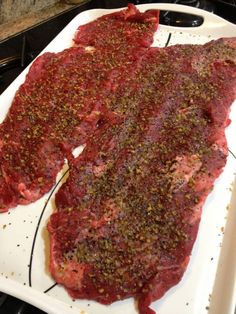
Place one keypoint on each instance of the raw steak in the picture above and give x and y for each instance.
(128, 215)
(62, 99)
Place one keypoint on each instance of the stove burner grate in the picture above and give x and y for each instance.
(11, 305)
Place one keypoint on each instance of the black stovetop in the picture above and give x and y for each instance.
(18, 51)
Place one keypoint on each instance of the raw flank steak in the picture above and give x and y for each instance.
(128, 215)
(62, 100)
(153, 123)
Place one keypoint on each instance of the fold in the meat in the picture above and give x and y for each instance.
(63, 98)
(128, 215)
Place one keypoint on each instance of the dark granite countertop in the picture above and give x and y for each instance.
(26, 21)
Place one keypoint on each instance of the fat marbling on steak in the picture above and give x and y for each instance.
(128, 215)
(62, 99)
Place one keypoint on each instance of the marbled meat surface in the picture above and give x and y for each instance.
(128, 215)
(62, 99)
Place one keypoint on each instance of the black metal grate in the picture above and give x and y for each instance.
(233, 2)
(11, 305)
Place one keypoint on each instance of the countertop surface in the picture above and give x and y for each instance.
(31, 19)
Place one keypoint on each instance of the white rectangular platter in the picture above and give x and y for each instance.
(210, 276)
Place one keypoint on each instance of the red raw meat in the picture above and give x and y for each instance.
(62, 100)
(153, 122)
(128, 215)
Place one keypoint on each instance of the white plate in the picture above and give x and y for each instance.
(24, 240)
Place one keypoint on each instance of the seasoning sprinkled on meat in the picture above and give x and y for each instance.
(62, 100)
(152, 121)
(128, 215)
